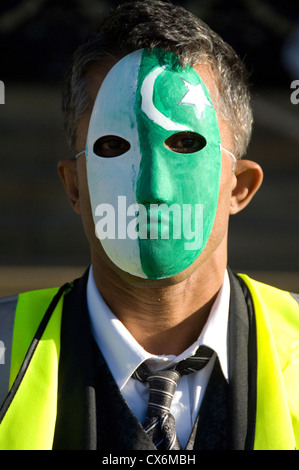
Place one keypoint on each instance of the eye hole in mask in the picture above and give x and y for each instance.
(110, 146)
(185, 142)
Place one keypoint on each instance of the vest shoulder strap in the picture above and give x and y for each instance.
(280, 308)
(277, 326)
(30, 405)
(30, 310)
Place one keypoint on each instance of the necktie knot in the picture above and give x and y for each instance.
(159, 423)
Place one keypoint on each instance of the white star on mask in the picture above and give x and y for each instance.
(195, 97)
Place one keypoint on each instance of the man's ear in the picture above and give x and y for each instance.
(68, 175)
(248, 179)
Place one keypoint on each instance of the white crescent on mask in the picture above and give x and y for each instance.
(148, 107)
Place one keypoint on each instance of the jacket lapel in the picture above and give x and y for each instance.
(76, 414)
(242, 372)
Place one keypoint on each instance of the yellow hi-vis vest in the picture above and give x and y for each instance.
(29, 420)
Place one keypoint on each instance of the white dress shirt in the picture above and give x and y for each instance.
(123, 355)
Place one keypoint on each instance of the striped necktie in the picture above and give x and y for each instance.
(159, 423)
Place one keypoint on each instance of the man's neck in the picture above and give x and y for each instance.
(166, 319)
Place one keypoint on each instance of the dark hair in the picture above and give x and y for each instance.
(137, 24)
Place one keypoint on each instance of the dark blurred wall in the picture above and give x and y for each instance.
(37, 37)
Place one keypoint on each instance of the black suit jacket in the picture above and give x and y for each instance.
(82, 392)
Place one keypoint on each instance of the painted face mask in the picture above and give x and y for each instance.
(153, 164)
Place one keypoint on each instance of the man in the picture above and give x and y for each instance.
(158, 115)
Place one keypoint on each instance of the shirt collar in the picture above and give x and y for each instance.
(123, 353)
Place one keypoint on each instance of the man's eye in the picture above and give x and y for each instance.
(110, 146)
(185, 142)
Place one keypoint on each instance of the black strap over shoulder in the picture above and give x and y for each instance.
(76, 407)
(242, 365)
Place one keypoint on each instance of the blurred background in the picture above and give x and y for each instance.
(41, 239)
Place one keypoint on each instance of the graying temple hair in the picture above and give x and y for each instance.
(136, 25)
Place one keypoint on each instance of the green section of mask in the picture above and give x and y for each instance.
(180, 166)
